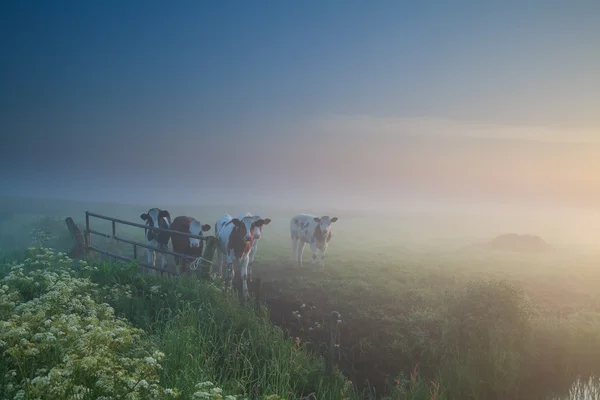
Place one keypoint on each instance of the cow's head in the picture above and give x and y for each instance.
(155, 217)
(324, 224)
(247, 225)
(196, 228)
(258, 228)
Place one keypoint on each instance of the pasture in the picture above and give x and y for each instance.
(474, 323)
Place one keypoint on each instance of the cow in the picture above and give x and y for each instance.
(310, 229)
(234, 238)
(187, 245)
(255, 239)
(157, 218)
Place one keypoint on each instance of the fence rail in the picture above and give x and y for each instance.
(120, 221)
(113, 236)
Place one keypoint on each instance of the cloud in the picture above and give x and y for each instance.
(358, 126)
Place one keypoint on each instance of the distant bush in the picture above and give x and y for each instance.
(519, 243)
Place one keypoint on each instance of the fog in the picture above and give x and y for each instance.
(435, 223)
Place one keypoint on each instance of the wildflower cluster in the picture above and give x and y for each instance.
(39, 236)
(307, 317)
(57, 341)
(117, 292)
(207, 390)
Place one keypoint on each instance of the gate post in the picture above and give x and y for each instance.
(88, 237)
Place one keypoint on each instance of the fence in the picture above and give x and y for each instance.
(113, 236)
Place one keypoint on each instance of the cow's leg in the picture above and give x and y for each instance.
(294, 247)
(183, 269)
(323, 256)
(237, 279)
(251, 259)
(313, 249)
(150, 254)
(244, 276)
(229, 270)
(299, 251)
(164, 256)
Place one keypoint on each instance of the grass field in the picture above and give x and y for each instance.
(474, 323)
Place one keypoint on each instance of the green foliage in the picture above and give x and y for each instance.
(206, 335)
(58, 342)
(485, 338)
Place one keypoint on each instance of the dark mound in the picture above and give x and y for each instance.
(519, 243)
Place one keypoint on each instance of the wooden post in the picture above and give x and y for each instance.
(135, 252)
(80, 248)
(114, 233)
(88, 236)
(258, 286)
(334, 320)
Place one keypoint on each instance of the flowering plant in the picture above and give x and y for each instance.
(58, 341)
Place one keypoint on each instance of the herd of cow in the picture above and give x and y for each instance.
(237, 239)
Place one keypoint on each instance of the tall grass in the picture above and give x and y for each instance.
(201, 331)
(206, 335)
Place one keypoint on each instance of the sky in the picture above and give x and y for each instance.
(301, 101)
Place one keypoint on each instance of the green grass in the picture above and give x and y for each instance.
(479, 324)
(203, 332)
(206, 334)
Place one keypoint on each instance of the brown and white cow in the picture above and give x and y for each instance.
(310, 229)
(255, 238)
(187, 245)
(234, 238)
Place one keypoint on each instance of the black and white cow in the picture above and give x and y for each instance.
(310, 229)
(157, 218)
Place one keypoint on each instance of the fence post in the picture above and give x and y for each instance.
(88, 236)
(80, 249)
(334, 320)
(258, 286)
(114, 233)
(208, 254)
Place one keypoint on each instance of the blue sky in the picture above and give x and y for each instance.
(210, 90)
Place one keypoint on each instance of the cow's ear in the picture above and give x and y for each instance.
(334, 219)
(205, 227)
(317, 219)
(164, 214)
(267, 221)
(236, 222)
(144, 216)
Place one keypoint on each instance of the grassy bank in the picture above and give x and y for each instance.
(101, 330)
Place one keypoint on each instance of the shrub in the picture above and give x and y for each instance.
(57, 341)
